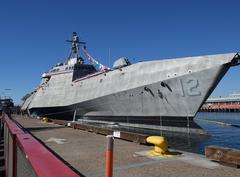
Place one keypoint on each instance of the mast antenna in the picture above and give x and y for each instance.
(74, 53)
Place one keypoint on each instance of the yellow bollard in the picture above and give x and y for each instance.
(45, 120)
(161, 145)
(160, 148)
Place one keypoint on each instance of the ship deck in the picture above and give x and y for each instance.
(85, 151)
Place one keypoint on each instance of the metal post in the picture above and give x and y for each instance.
(109, 156)
(74, 115)
(28, 113)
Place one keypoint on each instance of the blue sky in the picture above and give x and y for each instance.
(33, 34)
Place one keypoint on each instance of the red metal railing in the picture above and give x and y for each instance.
(25, 156)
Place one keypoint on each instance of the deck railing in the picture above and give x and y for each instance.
(27, 157)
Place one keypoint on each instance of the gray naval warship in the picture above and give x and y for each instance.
(166, 93)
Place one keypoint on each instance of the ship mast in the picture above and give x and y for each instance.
(74, 53)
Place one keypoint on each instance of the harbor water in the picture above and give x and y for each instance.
(226, 134)
(223, 129)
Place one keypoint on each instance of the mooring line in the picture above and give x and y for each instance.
(219, 122)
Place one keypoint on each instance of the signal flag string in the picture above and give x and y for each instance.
(95, 62)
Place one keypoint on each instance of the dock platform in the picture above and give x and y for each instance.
(85, 152)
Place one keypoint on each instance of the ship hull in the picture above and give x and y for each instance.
(170, 89)
(170, 98)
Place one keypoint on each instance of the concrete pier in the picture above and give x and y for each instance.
(85, 152)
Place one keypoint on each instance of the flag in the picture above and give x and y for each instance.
(95, 62)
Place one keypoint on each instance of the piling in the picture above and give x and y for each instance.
(109, 156)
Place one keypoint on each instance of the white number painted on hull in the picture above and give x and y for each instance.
(189, 87)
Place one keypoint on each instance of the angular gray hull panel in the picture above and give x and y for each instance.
(176, 97)
(168, 88)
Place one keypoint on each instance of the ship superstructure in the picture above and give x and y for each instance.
(172, 89)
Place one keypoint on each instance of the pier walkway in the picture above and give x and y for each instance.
(85, 152)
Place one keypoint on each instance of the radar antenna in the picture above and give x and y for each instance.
(74, 53)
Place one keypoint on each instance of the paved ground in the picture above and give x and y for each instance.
(86, 152)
